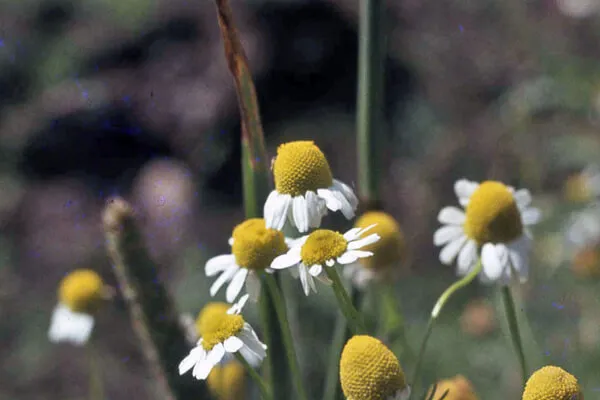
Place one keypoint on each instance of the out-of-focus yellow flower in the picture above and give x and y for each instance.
(478, 318)
(583, 186)
(459, 388)
(227, 381)
(552, 383)
(370, 371)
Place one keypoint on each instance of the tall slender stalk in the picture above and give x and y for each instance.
(513, 325)
(437, 308)
(352, 315)
(264, 389)
(96, 386)
(255, 172)
(371, 57)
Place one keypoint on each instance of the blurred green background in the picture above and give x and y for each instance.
(133, 97)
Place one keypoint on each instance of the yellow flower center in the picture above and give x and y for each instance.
(209, 317)
(492, 215)
(369, 370)
(255, 246)
(81, 291)
(577, 189)
(552, 383)
(221, 327)
(459, 388)
(586, 263)
(227, 382)
(299, 167)
(390, 248)
(322, 245)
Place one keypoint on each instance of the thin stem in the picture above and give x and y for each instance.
(264, 389)
(352, 315)
(392, 321)
(513, 325)
(371, 57)
(96, 389)
(437, 308)
(279, 304)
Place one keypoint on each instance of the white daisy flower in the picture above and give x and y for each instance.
(225, 334)
(305, 189)
(494, 226)
(253, 248)
(80, 294)
(583, 186)
(388, 252)
(324, 247)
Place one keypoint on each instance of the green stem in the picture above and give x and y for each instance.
(95, 378)
(437, 308)
(264, 389)
(392, 321)
(288, 342)
(513, 325)
(352, 315)
(341, 334)
(371, 58)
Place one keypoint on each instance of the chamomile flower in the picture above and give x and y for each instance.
(253, 248)
(370, 371)
(324, 247)
(227, 381)
(584, 186)
(222, 334)
(305, 188)
(80, 295)
(552, 383)
(388, 252)
(459, 388)
(494, 226)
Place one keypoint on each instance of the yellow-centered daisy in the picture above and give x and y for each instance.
(370, 371)
(459, 388)
(253, 248)
(80, 294)
(388, 251)
(227, 382)
(223, 333)
(324, 247)
(494, 226)
(305, 188)
(552, 383)
(583, 186)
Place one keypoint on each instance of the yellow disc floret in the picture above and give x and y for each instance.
(227, 382)
(369, 370)
(209, 317)
(255, 246)
(390, 248)
(322, 245)
(81, 291)
(300, 167)
(459, 388)
(492, 215)
(221, 327)
(552, 383)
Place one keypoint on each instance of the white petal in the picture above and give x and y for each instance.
(531, 216)
(252, 359)
(451, 216)
(315, 270)
(196, 355)
(213, 357)
(492, 266)
(347, 192)
(304, 277)
(332, 202)
(253, 286)
(300, 212)
(522, 198)
(467, 257)
(232, 344)
(450, 251)
(251, 341)
(239, 305)
(224, 277)
(330, 263)
(464, 188)
(316, 209)
(230, 241)
(446, 234)
(357, 244)
(218, 264)
(346, 208)
(69, 326)
(276, 210)
(352, 234)
(353, 255)
(285, 261)
(236, 284)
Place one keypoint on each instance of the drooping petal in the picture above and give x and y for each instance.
(218, 264)
(316, 209)
(467, 257)
(196, 355)
(450, 251)
(253, 286)
(300, 213)
(276, 210)
(69, 326)
(223, 278)
(236, 284)
(347, 192)
(492, 266)
(232, 344)
(315, 270)
(522, 198)
(331, 201)
(531, 216)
